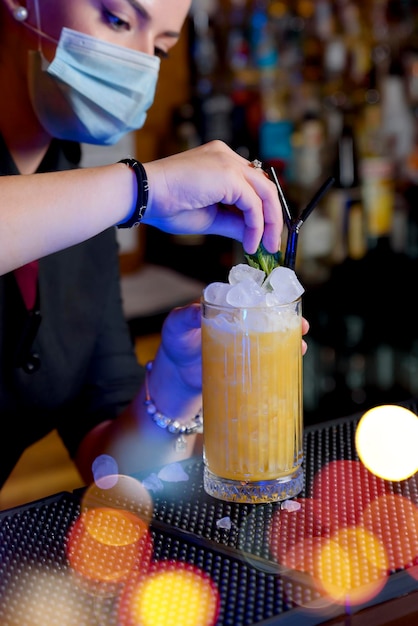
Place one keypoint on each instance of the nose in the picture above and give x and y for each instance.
(146, 43)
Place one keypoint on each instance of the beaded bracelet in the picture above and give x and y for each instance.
(172, 425)
(142, 197)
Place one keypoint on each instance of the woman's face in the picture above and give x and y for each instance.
(151, 26)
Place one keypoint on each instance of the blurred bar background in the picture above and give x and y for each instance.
(314, 88)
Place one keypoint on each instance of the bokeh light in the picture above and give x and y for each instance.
(351, 566)
(45, 596)
(354, 531)
(306, 8)
(106, 545)
(120, 491)
(387, 442)
(104, 466)
(278, 9)
(170, 594)
(393, 518)
(344, 489)
(295, 536)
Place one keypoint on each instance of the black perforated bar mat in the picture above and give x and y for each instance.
(260, 557)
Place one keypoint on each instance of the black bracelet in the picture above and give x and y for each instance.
(142, 197)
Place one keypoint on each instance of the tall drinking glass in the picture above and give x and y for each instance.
(252, 401)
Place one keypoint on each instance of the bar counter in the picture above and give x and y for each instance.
(264, 561)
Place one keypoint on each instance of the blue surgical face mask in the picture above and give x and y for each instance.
(93, 91)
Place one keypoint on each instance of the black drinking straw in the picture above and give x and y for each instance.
(294, 224)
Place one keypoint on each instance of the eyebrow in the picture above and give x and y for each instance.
(138, 6)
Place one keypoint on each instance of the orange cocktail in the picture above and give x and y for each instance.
(252, 401)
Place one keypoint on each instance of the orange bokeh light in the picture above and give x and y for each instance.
(170, 593)
(106, 545)
(119, 492)
(392, 516)
(351, 566)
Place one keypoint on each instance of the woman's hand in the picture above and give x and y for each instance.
(213, 190)
(181, 342)
(305, 330)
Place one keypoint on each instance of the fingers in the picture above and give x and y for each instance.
(183, 319)
(305, 330)
(260, 205)
(271, 217)
(255, 195)
(267, 205)
(189, 192)
(272, 211)
(181, 333)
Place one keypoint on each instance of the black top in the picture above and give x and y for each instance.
(89, 371)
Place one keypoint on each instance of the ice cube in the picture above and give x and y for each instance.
(290, 505)
(285, 284)
(153, 483)
(242, 271)
(224, 522)
(173, 473)
(272, 299)
(245, 294)
(215, 293)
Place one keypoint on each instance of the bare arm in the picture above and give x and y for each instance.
(44, 213)
(209, 189)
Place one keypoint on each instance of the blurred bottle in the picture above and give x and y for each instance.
(324, 19)
(378, 194)
(377, 165)
(276, 125)
(308, 144)
(358, 41)
(344, 204)
(398, 125)
(263, 47)
(335, 61)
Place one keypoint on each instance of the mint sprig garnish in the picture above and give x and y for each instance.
(264, 260)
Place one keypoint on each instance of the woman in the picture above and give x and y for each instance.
(66, 66)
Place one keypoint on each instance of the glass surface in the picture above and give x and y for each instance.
(252, 402)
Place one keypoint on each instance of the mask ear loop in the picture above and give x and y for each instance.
(37, 29)
(38, 24)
